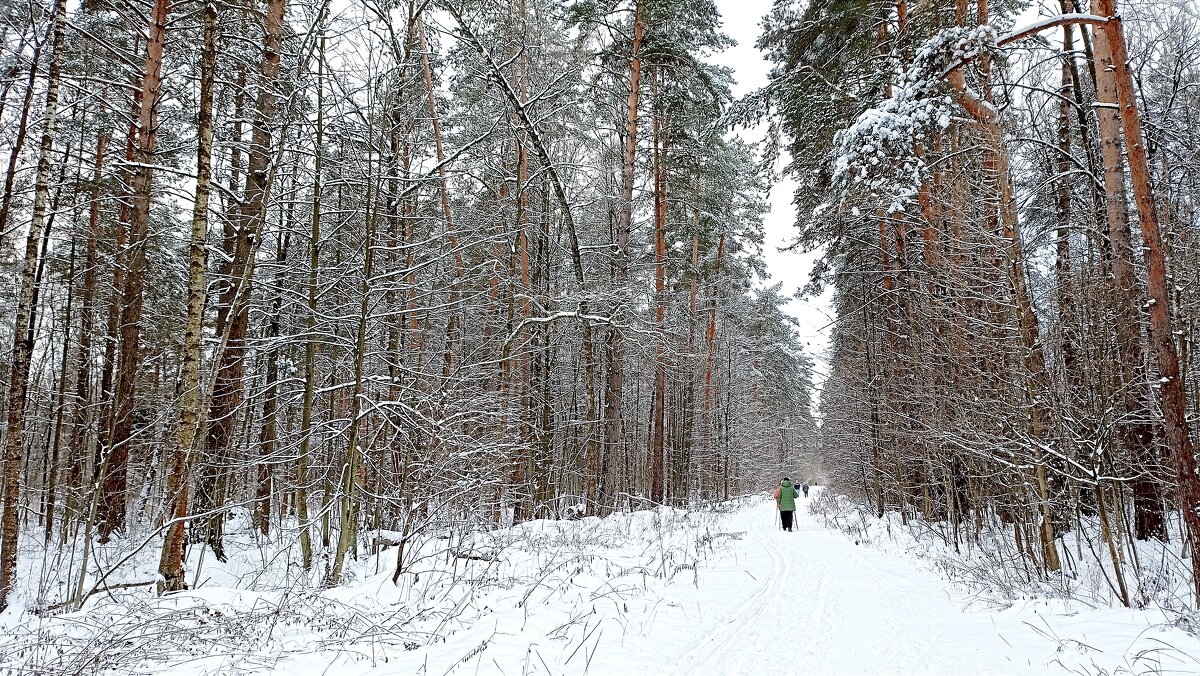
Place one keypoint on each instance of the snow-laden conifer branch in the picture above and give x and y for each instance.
(876, 156)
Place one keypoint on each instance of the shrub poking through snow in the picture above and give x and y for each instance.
(257, 612)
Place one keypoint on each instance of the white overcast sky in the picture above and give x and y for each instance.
(741, 22)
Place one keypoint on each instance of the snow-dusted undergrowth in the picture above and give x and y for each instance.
(990, 567)
(259, 611)
(989, 575)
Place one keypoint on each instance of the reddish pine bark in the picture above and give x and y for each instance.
(1173, 399)
(1134, 427)
(615, 386)
(111, 516)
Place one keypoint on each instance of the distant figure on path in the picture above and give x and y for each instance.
(785, 501)
(805, 489)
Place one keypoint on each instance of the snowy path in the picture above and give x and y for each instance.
(821, 603)
(647, 593)
(813, 602)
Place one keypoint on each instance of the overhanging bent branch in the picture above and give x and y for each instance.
(1030, 30)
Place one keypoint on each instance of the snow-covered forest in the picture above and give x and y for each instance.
(374, 266)
(346, 330)
(1007, 198)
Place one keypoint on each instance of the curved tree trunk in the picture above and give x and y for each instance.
(235, 301)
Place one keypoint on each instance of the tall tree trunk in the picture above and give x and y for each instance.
(453, 319)
(113, 489)
(348, 528)
(22, 350)
(1062, 246)
(527, 469)
(682, 472)
(710, 360)
(53, 458)
(310, 321)
(116, 292)
(79, 443)
(235, 303)
(1134, 426)
(50, 454)
(269, 434)
(170, 565)
(658, 406)
(1173, 399)
(209, 467)
(614, 395)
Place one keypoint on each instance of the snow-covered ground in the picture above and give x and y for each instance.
(852, 609)
(663, 592)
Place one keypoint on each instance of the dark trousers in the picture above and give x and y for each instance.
(786, 516)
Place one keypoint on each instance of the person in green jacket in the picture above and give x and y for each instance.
(785, 502)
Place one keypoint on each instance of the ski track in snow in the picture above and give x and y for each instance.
(719, 642)
(829, 606)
